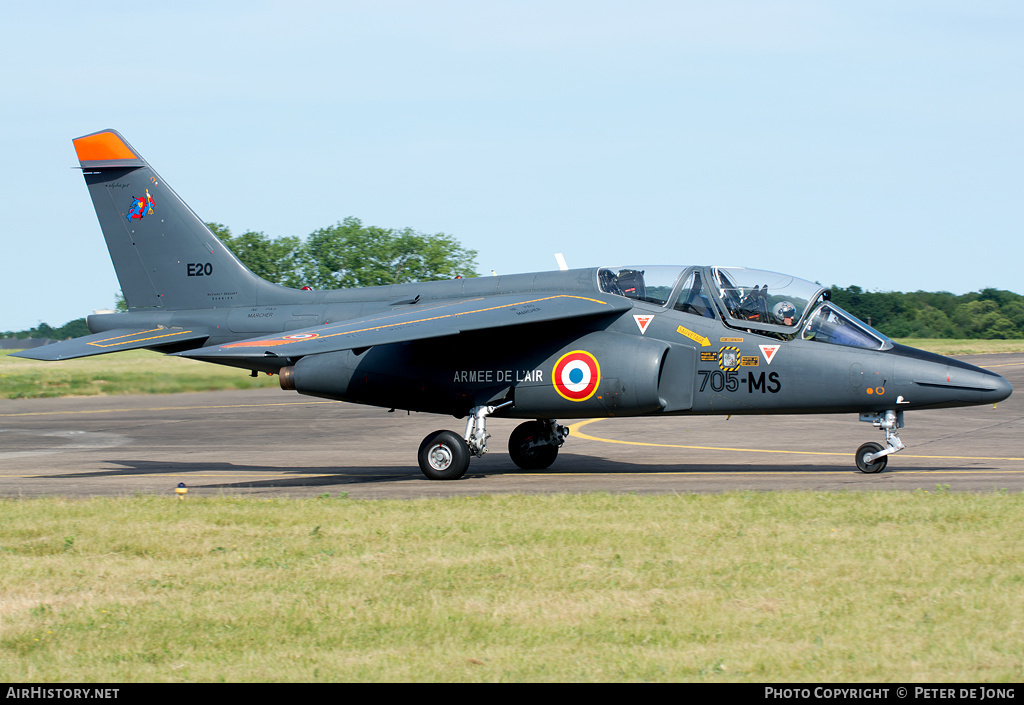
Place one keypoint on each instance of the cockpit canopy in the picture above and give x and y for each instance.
(754, 298)
(769, 303)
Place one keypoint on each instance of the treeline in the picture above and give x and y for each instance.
(350, 254)
(345, 255)
(987, 314)
(73, 329)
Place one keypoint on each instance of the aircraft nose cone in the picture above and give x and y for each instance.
(989, 386)
(930, 380)
(1003, 389)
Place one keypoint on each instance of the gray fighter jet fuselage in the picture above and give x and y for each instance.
(606, 341)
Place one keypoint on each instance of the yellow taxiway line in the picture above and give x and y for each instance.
(574, 430)
(165, 408)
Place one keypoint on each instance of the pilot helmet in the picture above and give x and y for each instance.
(784, 310)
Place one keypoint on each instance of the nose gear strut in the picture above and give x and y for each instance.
(871, 457)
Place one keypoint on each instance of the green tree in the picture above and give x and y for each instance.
(1014, 310)
(72, 329)
(276, 260)
(990, 313)
(43, 330)
(973, 317)
(924, 322)
(350, 254)
(877, 309)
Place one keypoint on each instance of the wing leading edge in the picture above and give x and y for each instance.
(418, 322)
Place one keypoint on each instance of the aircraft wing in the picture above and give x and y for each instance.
(113, 341)
(418, 322)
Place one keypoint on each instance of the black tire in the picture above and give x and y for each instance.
(529, 448)
(878, 465)
(443, 455)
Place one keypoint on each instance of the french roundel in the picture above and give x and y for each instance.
(576, 375)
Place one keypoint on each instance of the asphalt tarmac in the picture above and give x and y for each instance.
(276, 443)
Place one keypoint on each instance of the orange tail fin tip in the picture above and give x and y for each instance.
(102, 146)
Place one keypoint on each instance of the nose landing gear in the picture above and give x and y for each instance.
(871, 457)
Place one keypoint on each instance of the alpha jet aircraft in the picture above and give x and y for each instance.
(605, 341)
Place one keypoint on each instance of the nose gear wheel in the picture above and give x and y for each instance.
(871, 450)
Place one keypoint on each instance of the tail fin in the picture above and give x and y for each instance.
(164, 255)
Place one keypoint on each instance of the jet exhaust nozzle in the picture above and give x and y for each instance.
(286, 375)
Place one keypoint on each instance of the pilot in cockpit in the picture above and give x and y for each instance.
(785, 313)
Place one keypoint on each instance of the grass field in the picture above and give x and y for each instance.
(132, 372)
(964, 347)
(145, 372)
(762, 587)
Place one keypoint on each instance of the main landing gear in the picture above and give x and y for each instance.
(533, 445)
(871, 457)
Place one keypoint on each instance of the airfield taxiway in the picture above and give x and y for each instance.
(275, 443)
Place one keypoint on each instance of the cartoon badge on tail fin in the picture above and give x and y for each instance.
(141, 207)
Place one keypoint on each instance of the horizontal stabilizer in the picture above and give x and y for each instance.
(113, 341)
(419, 322)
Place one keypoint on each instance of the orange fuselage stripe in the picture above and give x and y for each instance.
(271, 342)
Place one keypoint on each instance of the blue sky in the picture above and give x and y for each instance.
(869, 143)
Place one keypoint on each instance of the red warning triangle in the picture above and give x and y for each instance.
(642, 322)
(769, 352)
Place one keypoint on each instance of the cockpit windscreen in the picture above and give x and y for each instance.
(831, 324)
